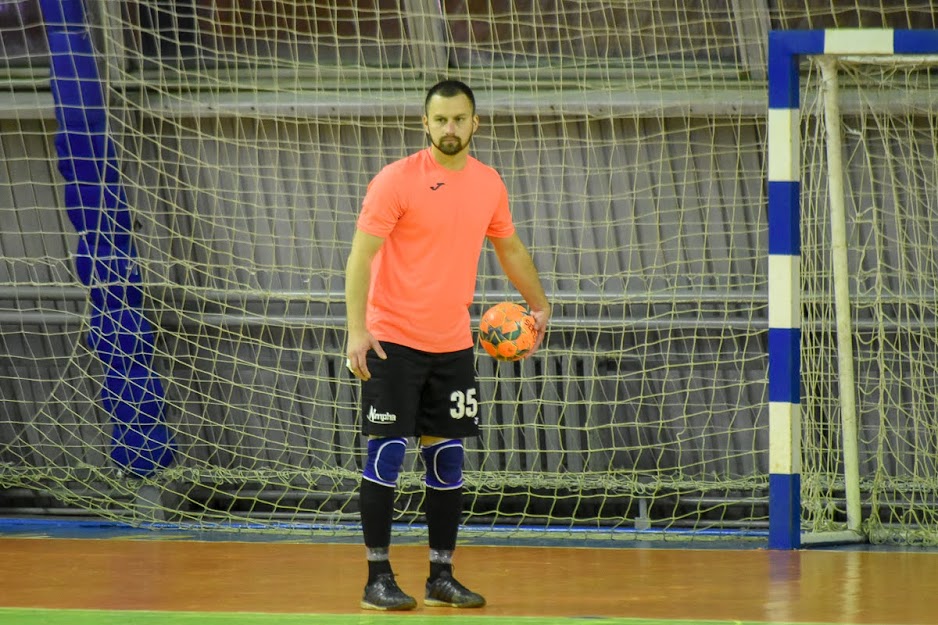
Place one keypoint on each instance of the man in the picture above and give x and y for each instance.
(410, 280)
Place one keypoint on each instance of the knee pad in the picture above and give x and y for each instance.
(444, 464)
(384, 461)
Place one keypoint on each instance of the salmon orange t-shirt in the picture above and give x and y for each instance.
(434, 222)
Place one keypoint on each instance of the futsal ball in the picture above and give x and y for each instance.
(506, 331)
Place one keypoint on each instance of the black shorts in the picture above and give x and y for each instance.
(416, 393)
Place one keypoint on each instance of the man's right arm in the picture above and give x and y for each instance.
(357, 284)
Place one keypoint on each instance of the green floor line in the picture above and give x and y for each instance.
(33, 616)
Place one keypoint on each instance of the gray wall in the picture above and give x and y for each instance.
(640, 235)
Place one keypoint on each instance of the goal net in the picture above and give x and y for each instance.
(870, 351)
(244, 135)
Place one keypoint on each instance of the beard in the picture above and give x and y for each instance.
(450, 145)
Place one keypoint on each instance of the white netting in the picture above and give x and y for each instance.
(888, 126)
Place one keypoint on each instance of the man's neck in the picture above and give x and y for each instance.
(453, 162)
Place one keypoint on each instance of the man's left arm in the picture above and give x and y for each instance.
(519, 267)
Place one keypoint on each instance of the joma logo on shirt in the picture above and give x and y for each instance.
(437, 186)
(381, 417)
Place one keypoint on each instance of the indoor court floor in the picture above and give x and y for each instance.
(87, 573)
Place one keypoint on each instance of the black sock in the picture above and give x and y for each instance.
(377, 510)
(378, 567)
(438, 568)
(444, 511)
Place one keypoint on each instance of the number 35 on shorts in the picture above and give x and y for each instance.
(464, 404)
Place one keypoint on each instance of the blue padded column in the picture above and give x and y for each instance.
(105, 261)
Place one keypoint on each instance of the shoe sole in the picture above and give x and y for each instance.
(394, 608)
(436, 603)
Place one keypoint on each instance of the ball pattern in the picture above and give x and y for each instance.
(506, 331)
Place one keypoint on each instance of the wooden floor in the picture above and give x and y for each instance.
(746, 585)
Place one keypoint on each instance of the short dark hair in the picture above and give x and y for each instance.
(449, 89)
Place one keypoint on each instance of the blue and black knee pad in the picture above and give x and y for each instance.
(444, 464)
(384, 461)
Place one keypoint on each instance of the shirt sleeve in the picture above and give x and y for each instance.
(501, 225)
(382, 206)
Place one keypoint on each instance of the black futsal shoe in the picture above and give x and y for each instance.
(385, 594)
(446, 592)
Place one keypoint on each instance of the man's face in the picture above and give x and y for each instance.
(450, 124)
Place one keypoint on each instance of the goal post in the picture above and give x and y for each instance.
(790, 282)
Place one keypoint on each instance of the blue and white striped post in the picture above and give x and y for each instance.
(784, 218)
